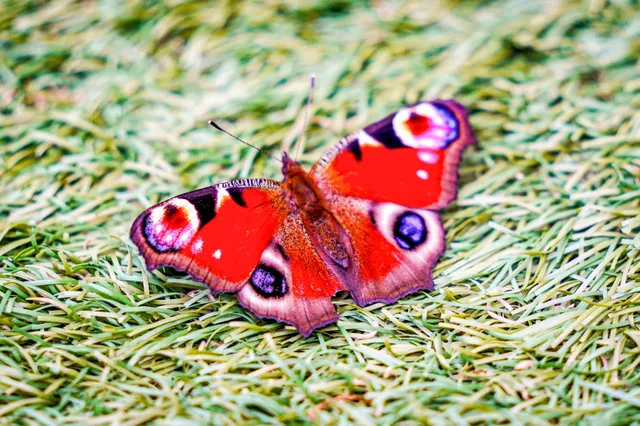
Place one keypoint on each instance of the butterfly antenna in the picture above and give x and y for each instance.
(306, 115)
(213, 123)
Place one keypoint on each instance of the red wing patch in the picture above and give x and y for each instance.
(375, 257)
(231, 244)
(406, 176)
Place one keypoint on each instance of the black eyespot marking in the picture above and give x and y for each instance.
(169, 211)
(268, 282)
(236, 195)
(354, 148)
(409, 230)
(383, 132)
(372, 217)
(205, 205)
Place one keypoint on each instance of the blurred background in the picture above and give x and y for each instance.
(103, 112)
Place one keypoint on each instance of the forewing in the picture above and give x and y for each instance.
(409, 158)
(216, 234)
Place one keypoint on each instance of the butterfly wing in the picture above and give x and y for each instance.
(394, 248)
(383, 184)
(409, 158)
(292, 258)
(242, 237)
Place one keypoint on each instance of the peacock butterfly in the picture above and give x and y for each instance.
(363, 220)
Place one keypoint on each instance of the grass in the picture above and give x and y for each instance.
(536, 314)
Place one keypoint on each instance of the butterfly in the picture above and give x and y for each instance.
(363, 219)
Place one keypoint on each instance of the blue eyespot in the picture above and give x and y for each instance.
(409, 230)
(268, 282)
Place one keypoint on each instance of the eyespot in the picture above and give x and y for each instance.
(409, 230)
(354, 148)
(426, 125)
(268, 282)
(171, 226)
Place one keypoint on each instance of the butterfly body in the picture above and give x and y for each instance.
(362, 220)
(308, 201)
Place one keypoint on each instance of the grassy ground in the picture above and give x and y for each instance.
(536, 314)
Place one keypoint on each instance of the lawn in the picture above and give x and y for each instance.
(535, 318)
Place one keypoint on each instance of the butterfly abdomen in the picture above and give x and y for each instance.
(330, 238)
